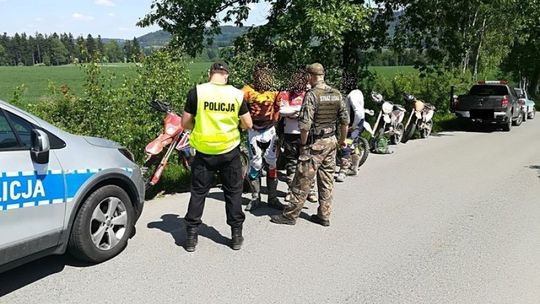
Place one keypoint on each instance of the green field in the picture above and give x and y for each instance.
(36, 78)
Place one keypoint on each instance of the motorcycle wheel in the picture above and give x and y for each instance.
(409, 132)
(398, 134)
(363, 150)
(426, 131)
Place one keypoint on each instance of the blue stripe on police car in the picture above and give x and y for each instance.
(25, 189)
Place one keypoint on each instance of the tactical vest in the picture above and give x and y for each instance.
(216, 121)
(326, 111)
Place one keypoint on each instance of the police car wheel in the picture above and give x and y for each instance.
(103, 225)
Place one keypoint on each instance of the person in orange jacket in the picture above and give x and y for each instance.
(263, 106)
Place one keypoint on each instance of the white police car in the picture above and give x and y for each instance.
(60, 191)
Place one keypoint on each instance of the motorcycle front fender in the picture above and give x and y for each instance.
(156, 146)
(387, 118)
(368, 128)
(429, 115)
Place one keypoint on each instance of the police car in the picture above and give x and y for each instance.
(60, 191)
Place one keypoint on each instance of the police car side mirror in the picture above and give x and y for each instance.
(40, 147)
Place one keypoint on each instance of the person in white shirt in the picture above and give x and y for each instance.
(349, 160)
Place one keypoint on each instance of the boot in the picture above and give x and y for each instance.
(318, 220)
(273, 201)
(191, 239)
(355, 161)
(255, 195)
(237, 239)
(281, 219)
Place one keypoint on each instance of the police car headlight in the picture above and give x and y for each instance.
(127, 154)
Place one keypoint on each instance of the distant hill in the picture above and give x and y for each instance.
(226, 38)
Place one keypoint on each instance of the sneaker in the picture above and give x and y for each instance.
(317, 220)
(340, 178)
(312, 198)
(352, 172)
(281, 219)
(253, 204)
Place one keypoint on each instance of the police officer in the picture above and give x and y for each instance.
(322, 109)
(213, 112)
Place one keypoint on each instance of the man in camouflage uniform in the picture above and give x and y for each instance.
(322, 109)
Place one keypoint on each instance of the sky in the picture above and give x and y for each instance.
(108, 18)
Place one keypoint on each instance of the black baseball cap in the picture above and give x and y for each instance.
(219, 66)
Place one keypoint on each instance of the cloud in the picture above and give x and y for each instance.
(111, 14)
(104, 2)
(81, 17)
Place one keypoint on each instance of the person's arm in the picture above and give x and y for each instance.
(190, 110)
(276, 106)
(245, 118)
(343, 120)
(187, 121)
(343, 135)
(305, 117)
(246, 122)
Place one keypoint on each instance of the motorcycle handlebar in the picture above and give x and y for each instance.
(160, 106)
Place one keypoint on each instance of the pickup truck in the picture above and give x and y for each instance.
(491, 102)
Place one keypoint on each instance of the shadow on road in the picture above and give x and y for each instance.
(535, 167)
(462, 125)
(29, 273)
(176, 227)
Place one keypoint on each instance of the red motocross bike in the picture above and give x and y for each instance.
(173, 138)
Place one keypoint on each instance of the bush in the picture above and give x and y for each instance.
(120, 114)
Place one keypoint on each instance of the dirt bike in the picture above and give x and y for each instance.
(390, 119)
(360, 145)
(172, 138)
(421, 119)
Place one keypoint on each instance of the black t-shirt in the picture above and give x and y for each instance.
(191, 104)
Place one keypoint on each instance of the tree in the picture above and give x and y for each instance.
(522, 62)
(113, 52)
(331, 31)
(128, 51)
(136, 50)
(3, 55)
(468, 35)
(90, 46)
(81, 50)
(99, 46)
(58, 52)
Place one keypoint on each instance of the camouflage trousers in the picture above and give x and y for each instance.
(318, 160)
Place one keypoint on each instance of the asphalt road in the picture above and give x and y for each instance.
(451, 219)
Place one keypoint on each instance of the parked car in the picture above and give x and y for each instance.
(528, 103)
(493, 102)
(60, 191)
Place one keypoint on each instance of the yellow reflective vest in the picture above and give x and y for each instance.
(216, 121)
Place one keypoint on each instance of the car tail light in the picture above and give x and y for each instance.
(504, 101)
(493, 82)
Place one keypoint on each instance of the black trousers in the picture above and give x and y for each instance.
(203, 169)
